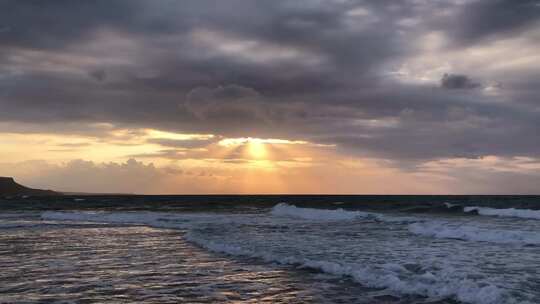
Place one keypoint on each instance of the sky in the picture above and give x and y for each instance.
(238, 96)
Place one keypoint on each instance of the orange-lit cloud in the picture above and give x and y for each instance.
(170, 162)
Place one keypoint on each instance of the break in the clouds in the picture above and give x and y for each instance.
(406, 83)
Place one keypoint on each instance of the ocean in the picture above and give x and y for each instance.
(270, 249)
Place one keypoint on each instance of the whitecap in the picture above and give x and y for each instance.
(284, 209)
(445, 230)
(510, 212)
(392, 277)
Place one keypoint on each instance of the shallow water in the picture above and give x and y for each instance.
(89, 263)
(282, 254)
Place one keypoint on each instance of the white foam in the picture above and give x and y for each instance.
(445, 230)
(510, 212)
(442, 281)
(284, 209)
(388, 276)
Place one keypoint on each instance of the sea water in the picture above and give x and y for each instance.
(262, 249)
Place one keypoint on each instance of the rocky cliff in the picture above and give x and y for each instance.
(8, 187)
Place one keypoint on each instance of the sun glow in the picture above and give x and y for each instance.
(247, 140)
(257, 149)
(152, 133)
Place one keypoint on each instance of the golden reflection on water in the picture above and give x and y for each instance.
(111, 264)
(146, 265)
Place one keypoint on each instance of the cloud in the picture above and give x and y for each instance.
(131, 176)
(98, 75)
(490, 174)
(481, 175)
(364, 75)
(481, 20)
(184, 144)
(458, 81)
(232, 102)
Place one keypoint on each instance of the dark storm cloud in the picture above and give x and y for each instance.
(457, 81)
(495, 18)
(233, 102)
(314, 70)
(53, 24)
(98, 75)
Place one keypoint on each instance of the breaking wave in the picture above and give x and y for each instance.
(394, 277)
(402, 277)
(510, 212)
(284, 209)
(444, 230)
(417, 226)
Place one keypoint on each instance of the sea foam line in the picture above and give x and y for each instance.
(392, 277)
(443, 230)
(510, 212)
(417, 226)
(388, 276)
(284, 209)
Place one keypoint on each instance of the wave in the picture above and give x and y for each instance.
(284, 209)
(433, 282)
(436, 229)
(444, 230)
(450, 205)
(154, 219)
(510, 212)
(19, 225)
(393, 277)
(107, 217)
